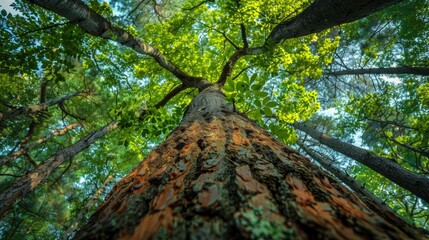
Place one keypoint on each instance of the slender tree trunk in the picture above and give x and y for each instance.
(220, 176)
(40, 141)
(90, 203)
(31, 180)
(413, 182)
(394, 70)
(35, 108)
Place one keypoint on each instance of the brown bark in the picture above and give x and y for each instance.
(35, 108)
(394, 70)
(413, 182)
(26, 149)
(31, 180)
(220, 176)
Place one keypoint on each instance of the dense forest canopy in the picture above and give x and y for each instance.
(102, 100)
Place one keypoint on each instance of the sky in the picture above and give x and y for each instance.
(5, 4)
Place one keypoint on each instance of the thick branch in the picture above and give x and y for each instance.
(93, 23)
(415, 183)
(31, 180)
(35, 108)
(323, 14)
(394, 70)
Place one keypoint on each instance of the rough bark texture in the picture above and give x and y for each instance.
(31, 180)
(220, 176)
(413, 182)
(395, 70)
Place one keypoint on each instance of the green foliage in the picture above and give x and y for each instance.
(276, 89)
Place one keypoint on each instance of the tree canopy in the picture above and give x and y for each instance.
(89, 88)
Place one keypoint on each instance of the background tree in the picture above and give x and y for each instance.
(262, 79)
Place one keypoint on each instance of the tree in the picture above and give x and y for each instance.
(387, 167)
(202, 169)
(219, 175)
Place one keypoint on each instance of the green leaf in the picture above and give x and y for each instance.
(271, 104)
(261, 94)
(228, 88)
(268, 112)
(253, 78)
(256, 87)
(242, 86)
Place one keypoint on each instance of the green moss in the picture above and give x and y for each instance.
(260, 228)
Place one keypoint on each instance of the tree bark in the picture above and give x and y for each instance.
(40, 141)
(415, 183)
(220, 176)
(35, 108)
(394, 70)
(31, 180)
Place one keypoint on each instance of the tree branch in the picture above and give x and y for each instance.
(393, 70)
(35, 108)
(227, 69)
(145, 111)
(40, 141)
(321, 15)
(96, 25)
(244, 36)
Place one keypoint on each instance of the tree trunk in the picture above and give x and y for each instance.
(394, 70)
(85, 209)
(220, 176)
(413, 182)
(31, 180)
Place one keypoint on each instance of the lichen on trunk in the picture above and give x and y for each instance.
(220, 176)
